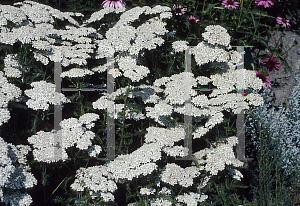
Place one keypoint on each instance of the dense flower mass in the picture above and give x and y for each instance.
(72, 132)
(42, 93)
(14, 174)
(8, 92)
(160, 101)
(216, 34)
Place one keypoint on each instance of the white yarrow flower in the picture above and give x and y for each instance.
(180, 46)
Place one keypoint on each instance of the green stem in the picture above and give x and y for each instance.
(33, 129)
(196, 7)
(286, 51)
(123, 119)
(257, 25)
(273, 35)
(188, 33)
(276, 46)
(249, 6)
(240, 16)
(203, 6)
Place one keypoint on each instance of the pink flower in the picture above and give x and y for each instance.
(283, 21)
(264, 78)
(193, 19)
(178, 9)
(230, 4)
(271, 64)
(265, 3)
(113, 3)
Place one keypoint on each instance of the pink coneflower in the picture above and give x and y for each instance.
(113, 3)
(178, 9)
(265, 3)
(264, 78)
(193, 19)
(230, 4)
(283, 21)
(271, 64)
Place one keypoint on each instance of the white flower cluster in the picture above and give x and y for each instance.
(131, 15)
(76, 72)
(72, 133)
(176, 151)
(8, 92)
(236, 174)
(11, 66)
(39, 33)
(160, 202)
(125, 38)
(164, 137)
(14, 174)
(191, 199)
(131, 70)
(147, 191)
(93, 179)
(180, 46)
(216, 158)
(165, 15)
(94, 150)
(42, 93)
(97, 16)
(205, 53)
(174, 174)
(216, 34)
(158, 9)
(142, 161)
(165, 190)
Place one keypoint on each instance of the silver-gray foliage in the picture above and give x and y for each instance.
(284, 125)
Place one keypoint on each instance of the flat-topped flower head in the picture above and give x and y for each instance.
(271, 64)
(265, 3)
(283, 21)
(113, 3)
(230, 4)
(178, 9)
(264, 78)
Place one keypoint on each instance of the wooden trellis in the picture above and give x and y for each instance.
(187, 117)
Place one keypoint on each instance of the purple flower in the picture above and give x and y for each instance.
(283, 21)
(265, 3)
(230, 4)
(264, 78)
(178, 9)
(113, 3)
(271, 64)
(193, 19)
